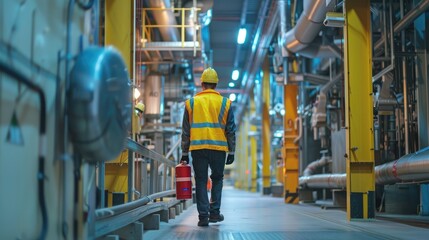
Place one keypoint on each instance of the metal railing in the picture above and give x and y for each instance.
(113, 218)
(182, 44)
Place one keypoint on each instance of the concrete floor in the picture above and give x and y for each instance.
(252, 216)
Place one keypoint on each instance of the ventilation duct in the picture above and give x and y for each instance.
(307, 28)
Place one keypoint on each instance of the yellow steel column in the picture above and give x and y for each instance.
(253, 148)
(240, 151)
(118, 33)
(266, 132)
(290, 149)
(119, 28)
(359, 111)
(246, 179)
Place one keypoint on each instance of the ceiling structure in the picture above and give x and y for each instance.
(227, 18)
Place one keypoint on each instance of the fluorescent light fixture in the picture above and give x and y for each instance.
(241, 36)
(231, 84)
(232, 97)
(235, 74)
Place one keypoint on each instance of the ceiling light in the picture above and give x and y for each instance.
(235, 74)
(241, 36)
(231, 84)
(232, 97)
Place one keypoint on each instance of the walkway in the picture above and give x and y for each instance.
(251, 216)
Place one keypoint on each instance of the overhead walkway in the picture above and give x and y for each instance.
(253, 216)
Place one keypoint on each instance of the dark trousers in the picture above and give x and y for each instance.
(201, 161)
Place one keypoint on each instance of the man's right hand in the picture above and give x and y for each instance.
(185, 159)
(230, 159)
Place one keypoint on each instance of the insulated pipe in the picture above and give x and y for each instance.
(308, 25)
(409, 168)
(309, 170)
(413, 167)
(324, 181)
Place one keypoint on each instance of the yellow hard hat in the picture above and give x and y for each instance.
(139, 107)
(209, 76)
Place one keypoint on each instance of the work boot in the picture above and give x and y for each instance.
(203, 222)
(216, 218)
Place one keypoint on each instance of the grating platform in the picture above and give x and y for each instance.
(251, 216)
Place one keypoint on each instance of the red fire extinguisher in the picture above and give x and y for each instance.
(183, 182)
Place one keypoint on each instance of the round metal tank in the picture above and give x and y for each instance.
(154, 96)
(99, 107)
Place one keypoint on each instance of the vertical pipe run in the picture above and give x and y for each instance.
(266, 131)
(404, 82)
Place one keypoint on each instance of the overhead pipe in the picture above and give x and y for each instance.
(413, 167)
(307, 27)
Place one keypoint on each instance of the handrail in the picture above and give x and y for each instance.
(145, 152)
(110, 219)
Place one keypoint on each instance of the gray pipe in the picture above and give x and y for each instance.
(413, 167)
(316, 164)
(308, 25)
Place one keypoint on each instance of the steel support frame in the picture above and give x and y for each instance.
(359, 111)
(119, 22)
(290, 147)
(266, 131)
(253, 148)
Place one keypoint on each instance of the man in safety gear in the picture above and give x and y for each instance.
(208, 132)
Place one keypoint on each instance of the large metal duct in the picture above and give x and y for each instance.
(413, 167)
(308, 25)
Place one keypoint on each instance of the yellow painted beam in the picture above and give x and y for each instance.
(118, 33)
(119, 28)
(253, 149)
(290, 149)
(359, 111)
(266, 132)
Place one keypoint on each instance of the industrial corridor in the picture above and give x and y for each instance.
(214, 119)
(250, 216)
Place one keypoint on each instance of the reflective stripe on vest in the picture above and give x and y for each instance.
(208, 112)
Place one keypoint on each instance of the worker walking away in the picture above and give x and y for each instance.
(208, 133)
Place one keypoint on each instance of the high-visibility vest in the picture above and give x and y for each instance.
(208, 112)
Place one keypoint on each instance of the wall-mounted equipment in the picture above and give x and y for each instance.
(99, 104)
